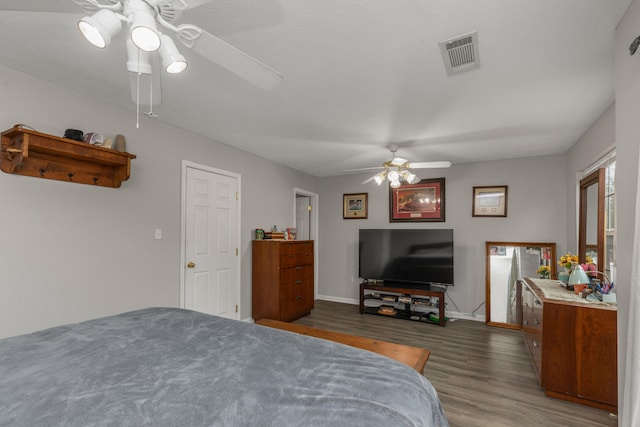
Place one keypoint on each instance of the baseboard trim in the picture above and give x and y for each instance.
(449, 314)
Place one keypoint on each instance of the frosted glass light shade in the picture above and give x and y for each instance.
(144, 32)
(172, 61)
(100, 28)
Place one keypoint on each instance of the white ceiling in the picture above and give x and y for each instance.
(359, 75)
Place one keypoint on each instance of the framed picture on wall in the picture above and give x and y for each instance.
(355, 206)
(490, 201)
(421, 202)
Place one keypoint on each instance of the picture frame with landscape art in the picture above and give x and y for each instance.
(355, 206)
(421, 202)
(490, 201)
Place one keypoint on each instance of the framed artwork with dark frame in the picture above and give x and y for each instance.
(421, 202)
(355, 206)
(490, 201)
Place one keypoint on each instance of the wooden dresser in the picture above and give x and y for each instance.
(282, 279)
(573, 344)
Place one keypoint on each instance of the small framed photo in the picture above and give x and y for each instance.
(355, 206)
(423, 202)
(490, 201)
(498, 250)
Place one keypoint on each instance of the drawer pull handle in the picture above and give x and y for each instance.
(298, 282)
(535, 344)
(535, 321)
(526, 304)
(299, 297)
(298, 268)
(538, 302)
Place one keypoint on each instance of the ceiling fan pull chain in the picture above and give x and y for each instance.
(138, 94)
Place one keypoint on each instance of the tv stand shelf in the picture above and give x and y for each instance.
(407, 296)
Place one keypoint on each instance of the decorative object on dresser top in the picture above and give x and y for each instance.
(573, 343)
(31, 153)
(282, 279)
(168, 367)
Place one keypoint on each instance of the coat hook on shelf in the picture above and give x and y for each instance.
(95, 180)
(42, 171)
(70, 175)
(11, 152)
(634, 45)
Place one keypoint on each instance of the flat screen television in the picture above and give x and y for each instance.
(413, 257)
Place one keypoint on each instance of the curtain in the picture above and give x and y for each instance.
(631, 392)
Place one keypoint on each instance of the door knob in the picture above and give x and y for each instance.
(190, 265)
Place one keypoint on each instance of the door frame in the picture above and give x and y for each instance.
(315, 200)
(186, 164)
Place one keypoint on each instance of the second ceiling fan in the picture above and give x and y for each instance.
(399, 169)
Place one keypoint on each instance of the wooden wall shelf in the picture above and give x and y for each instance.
(30, 153)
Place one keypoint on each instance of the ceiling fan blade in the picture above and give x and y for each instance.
(430, 165)
(364, 169)
(229, 57)
(368, 180)
(54, 6)
(190, 4)
(150, 87)
(398, 161)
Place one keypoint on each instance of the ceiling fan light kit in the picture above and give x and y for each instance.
(143, 17)
(399, 169)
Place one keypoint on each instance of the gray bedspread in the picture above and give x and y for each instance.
(172, 367)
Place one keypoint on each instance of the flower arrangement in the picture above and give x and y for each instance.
(544, 271)
(567, 260)
(589, 268)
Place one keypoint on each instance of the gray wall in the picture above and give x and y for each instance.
(627, 81)
(69, 252)
(536, 213)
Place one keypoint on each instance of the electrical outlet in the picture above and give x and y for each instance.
(158, 234)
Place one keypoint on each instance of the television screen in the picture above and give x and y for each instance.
(418, 256)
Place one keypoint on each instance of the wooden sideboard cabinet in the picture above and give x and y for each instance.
(573, 344)
(282, 279)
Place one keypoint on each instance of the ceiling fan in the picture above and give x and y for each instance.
(147, 22)
(399, 169)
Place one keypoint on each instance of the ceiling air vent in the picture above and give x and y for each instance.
(460, 53)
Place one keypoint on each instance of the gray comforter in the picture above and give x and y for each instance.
(172, 367)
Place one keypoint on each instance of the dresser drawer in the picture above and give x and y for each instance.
(298, 273)
(294, 254)
(534, 344)
(296, 298)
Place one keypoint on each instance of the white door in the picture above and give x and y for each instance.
(303, 217)
(212, 268)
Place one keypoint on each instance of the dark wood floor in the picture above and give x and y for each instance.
(483, 375)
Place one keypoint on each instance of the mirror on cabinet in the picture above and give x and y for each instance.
(506, 264)
(591, 224)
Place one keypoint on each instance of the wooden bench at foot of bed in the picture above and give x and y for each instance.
(414, 357)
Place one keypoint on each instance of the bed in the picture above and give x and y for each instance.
(174, 367)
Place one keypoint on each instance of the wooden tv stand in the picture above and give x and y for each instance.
(406, 313)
